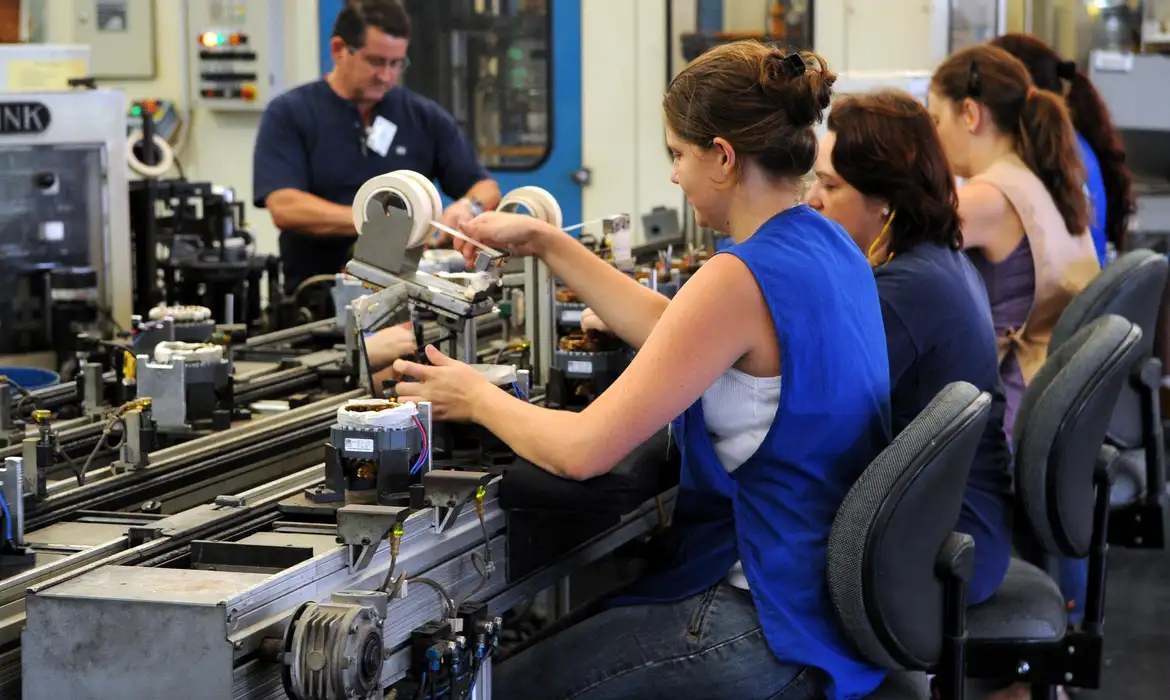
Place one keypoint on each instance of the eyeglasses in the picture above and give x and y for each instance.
(379, 63)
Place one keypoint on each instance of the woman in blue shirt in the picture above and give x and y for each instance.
(742, 608)
(882, 174)
(1108, 182)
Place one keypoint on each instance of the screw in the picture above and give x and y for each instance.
(1071, 650)
(1023, 668)
(1068, 676)
(238, 645)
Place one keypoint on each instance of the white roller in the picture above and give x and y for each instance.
(537, 200)
(418, 193)
(429, 186)
(166, 159)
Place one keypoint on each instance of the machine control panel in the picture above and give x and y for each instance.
(236, 49)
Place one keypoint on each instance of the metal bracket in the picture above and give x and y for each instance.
(447, 490)
(363, 527)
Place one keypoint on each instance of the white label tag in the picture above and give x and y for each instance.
(580, 366)
(380, 135)
(359, 445)
(571, 316)
(620, 242)
(1113, 61)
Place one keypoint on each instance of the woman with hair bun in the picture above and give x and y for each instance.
(1024, 211)
(1107, 179)
(881, 173)
(740, 607)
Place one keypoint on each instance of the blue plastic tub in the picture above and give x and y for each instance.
(31, 378)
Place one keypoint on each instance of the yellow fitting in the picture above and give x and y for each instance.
(395, 539)
(41, 415)
(480, 493)
(129, 365)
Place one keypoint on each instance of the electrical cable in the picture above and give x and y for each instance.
(7, 518)
(426, 446)
(448, 601)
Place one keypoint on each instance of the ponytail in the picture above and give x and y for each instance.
(1048, 145)
(1091, 119)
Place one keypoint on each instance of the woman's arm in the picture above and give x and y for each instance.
(695, 341)
(629, 309)
(982, 211)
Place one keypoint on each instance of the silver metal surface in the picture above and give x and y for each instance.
(89, 118)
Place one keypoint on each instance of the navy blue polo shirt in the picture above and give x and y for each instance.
(311, 139)
(938, 331)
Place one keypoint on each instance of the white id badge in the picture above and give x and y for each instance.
(381, 135)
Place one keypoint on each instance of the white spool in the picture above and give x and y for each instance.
(417, 193)
(166, 159)
(537, 200)
(431, 190)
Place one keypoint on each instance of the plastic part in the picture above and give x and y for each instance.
(500, 375)
(166, 159)
(180, 314)
(538, 201)
(418, 194)
(168, 350)
(365, 413)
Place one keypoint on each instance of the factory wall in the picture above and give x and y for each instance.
(624, 70)
(219, 145)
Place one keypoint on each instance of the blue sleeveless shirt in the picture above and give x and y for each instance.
(775, 511)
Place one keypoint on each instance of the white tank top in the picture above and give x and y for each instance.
(738, 410)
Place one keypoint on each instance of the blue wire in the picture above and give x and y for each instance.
(423, 455)
(519, 394)
(7, 518)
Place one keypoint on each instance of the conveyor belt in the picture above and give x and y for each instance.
(183, 465)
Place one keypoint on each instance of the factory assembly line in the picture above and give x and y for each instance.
(266, 529)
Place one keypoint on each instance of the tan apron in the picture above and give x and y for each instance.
(1064, 263)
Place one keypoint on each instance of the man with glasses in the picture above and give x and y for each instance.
(319, 142)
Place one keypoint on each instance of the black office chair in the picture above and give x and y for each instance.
(897, 573)
(1131, 287)
(1062, 492)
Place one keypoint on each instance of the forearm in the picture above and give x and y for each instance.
(294, 210)
(629, 309)
(528, 430)
(486, 192)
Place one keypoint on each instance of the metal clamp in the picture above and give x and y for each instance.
(363, 527)
(447, 490)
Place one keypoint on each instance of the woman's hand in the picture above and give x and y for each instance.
(590, 321)
(453, 388)
(389, 344)
(516, 233)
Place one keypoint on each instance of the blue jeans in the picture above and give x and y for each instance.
(706, 646)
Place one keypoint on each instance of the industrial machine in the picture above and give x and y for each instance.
(64, 245)
(389, 566)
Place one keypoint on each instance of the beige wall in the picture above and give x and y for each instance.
(219, 145)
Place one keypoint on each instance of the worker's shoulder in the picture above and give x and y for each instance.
(401, 101)
(292, 102)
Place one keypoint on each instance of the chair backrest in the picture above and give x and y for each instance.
(1131, 287)
(1060, 428)
(892, 525)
